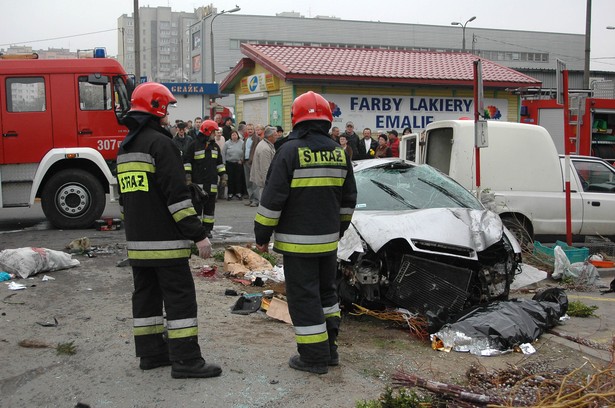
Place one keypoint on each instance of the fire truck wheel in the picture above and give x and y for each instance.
(73, 199)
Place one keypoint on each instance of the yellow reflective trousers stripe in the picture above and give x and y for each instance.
(312, 338)
(145, 330)
(183, 333)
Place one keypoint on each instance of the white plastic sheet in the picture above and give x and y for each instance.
(30, 261)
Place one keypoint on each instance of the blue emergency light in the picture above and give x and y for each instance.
(100, 52)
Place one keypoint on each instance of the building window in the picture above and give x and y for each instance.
(196, 40)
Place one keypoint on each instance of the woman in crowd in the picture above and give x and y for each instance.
(344, 143)
(383, 149)
(233, 153)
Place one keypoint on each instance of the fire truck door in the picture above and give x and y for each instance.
(97, 123)
(26, 119)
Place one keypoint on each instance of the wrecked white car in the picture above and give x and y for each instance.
(420, 241)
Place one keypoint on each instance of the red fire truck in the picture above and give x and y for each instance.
(60, 122)
(592, 123)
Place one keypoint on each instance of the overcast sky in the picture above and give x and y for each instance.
(37, 22)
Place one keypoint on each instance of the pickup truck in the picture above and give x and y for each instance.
(592, 186)
(523, 175)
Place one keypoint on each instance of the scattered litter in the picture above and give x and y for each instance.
(239, 260)
(47, 278)
(499, 327)
(108, 224)
(528, 276)
(16, 286)
(207, 271)
(273, 382)
(49, 323)
(275, 274)
(416, 323)
(29, 343)
(4, 276)
(230, 292)
(278, 309)
(30, 260)
(247, 303)
(582, 272)
(79, 245)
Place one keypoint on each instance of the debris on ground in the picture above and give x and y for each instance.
(502, 326)
(533, 384)
(79, 245)
(31, 260)
(416, 324)
(68, 348)
(4, 276)
(239, 260)
(247, 303)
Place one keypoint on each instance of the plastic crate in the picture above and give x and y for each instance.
(574, 254)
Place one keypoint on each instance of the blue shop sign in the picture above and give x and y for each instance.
(188, 88)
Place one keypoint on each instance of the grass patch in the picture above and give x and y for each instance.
(580, 309)
(401, 398)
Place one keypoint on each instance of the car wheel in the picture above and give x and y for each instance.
(73, 199)
(520, 229)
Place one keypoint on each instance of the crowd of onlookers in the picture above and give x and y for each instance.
(368, 146)
(238, 146)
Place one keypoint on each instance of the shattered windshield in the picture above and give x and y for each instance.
(400, 186)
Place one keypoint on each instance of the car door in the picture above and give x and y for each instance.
(598, 195)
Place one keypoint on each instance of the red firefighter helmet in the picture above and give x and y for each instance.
(310, 106)
(152, 98)
(208, 126)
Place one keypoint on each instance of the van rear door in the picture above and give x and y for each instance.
(26, 118)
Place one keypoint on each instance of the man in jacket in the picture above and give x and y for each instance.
(263, 155)
(353, 138)
(308, 200)
(203, 165)
(367, 145)
(160, 224)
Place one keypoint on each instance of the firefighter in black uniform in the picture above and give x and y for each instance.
(160, 224)
(203, 165)
(308, 200)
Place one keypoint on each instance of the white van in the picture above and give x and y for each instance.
(522, 169)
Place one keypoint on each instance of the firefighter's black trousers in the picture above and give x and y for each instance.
(313, 305)
(173, 288)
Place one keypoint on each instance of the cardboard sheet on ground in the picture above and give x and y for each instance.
(278, 309)
(239, 260)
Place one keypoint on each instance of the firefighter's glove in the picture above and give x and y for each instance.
(224, 180)
(198, 194)
(204, 247)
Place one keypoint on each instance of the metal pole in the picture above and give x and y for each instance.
(463, 47)
(137, 43)
(588, 29)
(211, 46)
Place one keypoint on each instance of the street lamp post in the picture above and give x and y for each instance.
(463, 26)
(211, 37)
